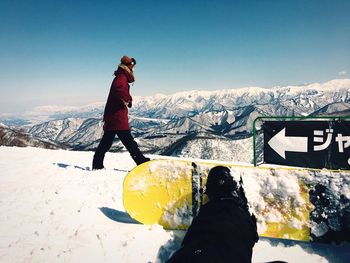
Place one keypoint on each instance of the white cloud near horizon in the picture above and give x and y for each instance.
(342, 73)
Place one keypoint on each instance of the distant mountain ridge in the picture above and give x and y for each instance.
(334, 109)
(189, 123)
(300, 98)
(189, 103)
(10, 137)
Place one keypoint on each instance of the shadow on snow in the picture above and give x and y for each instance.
(63, 165)
(118, 216)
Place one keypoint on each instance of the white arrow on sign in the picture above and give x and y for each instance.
(281, 144)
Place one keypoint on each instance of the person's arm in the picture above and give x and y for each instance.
(121, 90)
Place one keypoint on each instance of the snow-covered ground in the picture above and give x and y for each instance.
(54, 209)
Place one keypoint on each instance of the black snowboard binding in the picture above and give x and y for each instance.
(221, 185)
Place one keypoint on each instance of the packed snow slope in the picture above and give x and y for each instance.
(54, 209)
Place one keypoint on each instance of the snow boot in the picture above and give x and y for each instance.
(97, 162)
(140, 159)
(97, 166)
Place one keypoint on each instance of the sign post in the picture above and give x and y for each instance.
(312, 144)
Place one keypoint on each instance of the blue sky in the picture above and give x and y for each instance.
(64, 52)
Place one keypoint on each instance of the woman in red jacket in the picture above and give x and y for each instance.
(115, 115)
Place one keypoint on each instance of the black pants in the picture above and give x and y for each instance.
(106, 143)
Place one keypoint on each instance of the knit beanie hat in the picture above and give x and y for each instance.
(127, 61)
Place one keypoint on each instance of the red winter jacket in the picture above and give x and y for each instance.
(116, 113)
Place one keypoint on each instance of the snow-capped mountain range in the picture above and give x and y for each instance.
(189, 123)
(301, 100)
(11, 137)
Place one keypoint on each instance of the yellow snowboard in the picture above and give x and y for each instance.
(169, 192)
